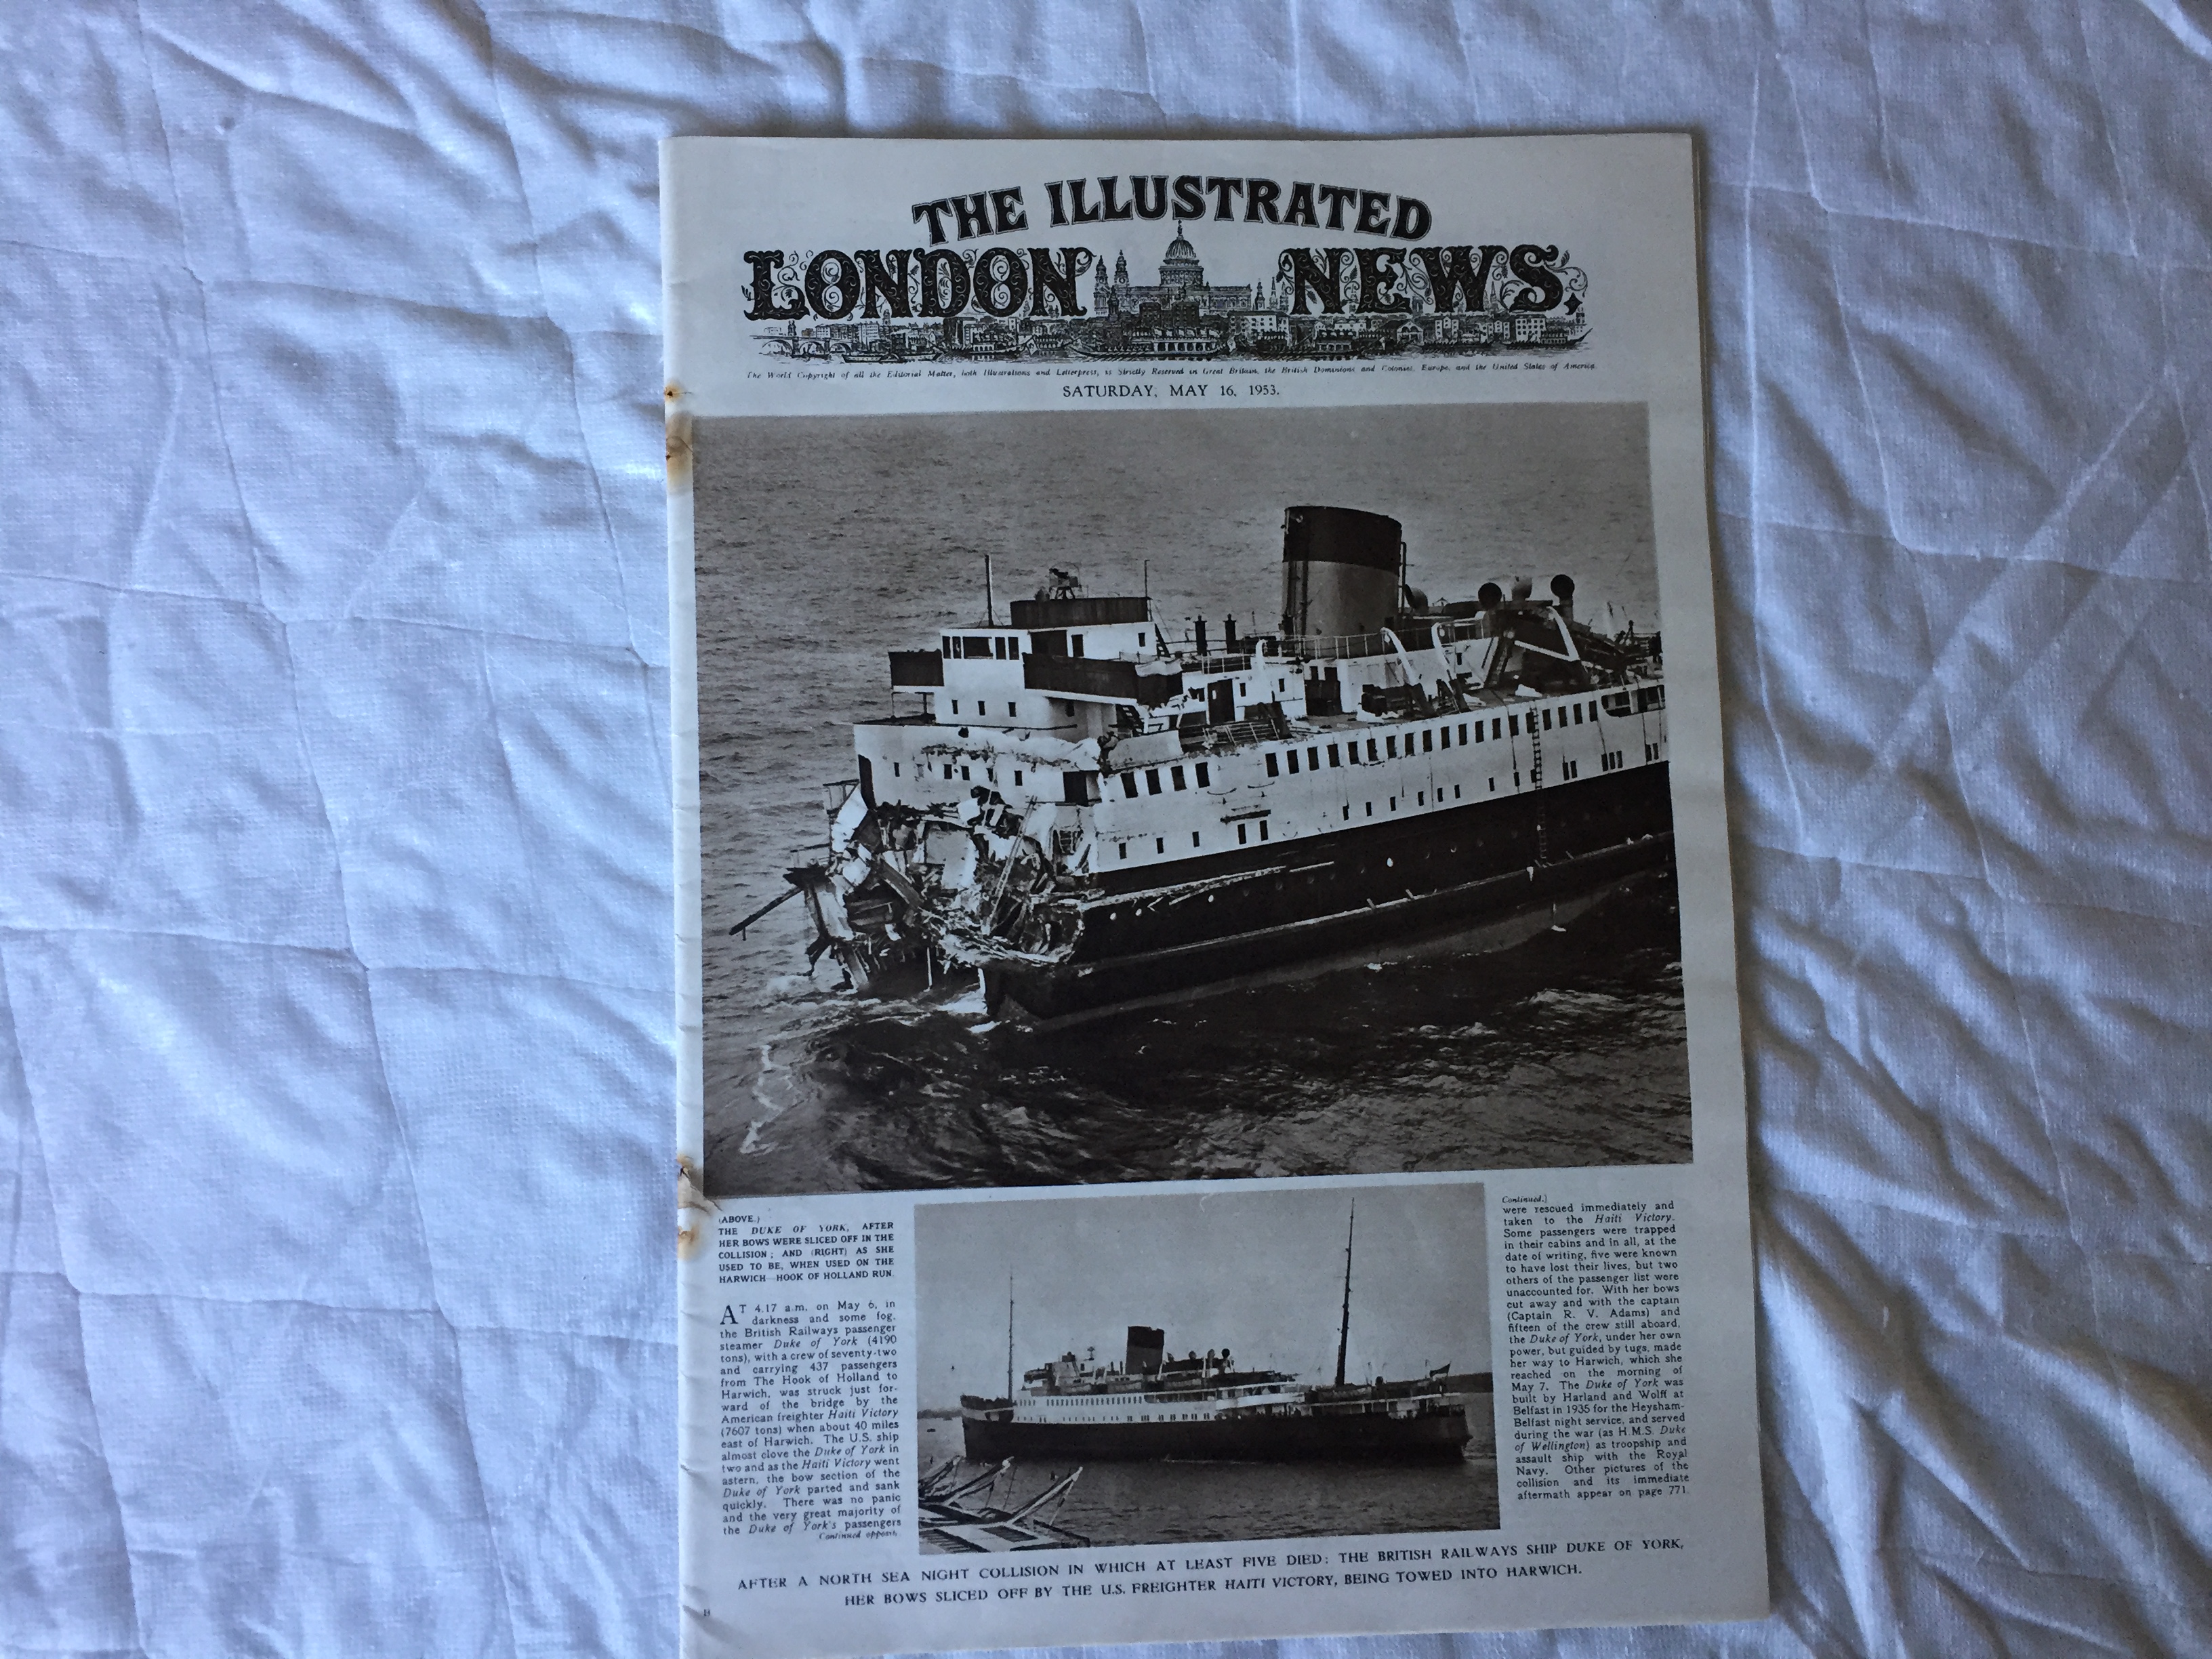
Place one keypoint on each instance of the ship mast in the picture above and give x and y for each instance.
(1010, 1338)
(1344, 1333)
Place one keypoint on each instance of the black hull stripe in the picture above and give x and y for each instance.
(1492, 915)
(1438, 1437)
(1474, 870)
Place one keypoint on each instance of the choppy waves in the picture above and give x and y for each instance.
(1202, 1503)
(1475, 1062)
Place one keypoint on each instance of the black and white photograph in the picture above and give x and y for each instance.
(1108, 796)
(1204, 1367)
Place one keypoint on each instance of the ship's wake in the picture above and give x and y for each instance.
(1487, 1067)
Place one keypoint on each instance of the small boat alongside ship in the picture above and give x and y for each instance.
(1091, 818)
(952, 1522)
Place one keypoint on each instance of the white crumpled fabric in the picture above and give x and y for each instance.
(335, 1059)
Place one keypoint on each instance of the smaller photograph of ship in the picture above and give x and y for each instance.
(1345, 1390)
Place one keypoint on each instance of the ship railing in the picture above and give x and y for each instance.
(1216, 662)
(1417, 635)
(1326, 647)
(1399, 1406)
(1236, 734)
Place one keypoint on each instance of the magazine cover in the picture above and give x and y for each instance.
(1209, 1055)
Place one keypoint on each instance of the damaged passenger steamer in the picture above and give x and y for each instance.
(1095, 818)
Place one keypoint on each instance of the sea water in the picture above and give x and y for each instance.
(1176, 1503)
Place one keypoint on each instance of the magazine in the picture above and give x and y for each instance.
(1208, 1043)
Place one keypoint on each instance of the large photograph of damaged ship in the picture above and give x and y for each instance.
(1295, 818)
(1079, 816)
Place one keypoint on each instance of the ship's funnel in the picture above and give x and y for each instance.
(1341, 568)
(1147, 1348)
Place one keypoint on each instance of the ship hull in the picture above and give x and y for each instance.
(1481, 876)
(1365, 1437)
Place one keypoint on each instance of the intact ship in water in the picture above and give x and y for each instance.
(1152, 1406)
(1095, 818)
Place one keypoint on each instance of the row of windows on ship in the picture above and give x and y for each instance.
(1616, 703)
(1139, 1417)
(1180, 778)
(1125, 1400)
(1379, 750)
(1005, 647)
(982, 708)
(1502, 726)
(1431, 739)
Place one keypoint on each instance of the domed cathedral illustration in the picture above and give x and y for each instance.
(1183, 282)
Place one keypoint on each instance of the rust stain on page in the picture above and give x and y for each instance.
(691, 1238)
(678, 422)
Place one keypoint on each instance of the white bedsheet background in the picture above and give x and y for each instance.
(335, 1063)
